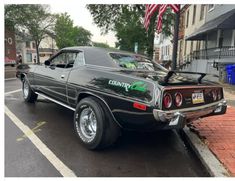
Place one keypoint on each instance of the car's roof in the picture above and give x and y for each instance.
(97, 55)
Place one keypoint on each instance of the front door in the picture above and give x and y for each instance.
(51, 80)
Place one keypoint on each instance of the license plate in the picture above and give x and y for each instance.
(197, 98)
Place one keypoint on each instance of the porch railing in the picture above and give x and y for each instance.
(214, 53)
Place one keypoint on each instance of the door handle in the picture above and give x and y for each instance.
(62, 76)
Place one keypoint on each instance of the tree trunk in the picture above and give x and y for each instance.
(151, 35)
(37, 50)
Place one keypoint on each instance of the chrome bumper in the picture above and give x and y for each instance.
(174, 116)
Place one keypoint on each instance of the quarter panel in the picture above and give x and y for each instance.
(111, 83)
(119, 97)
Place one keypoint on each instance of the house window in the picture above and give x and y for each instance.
(185, 47)
(194, 13)
(202, 11)
(210, 7)
(27, 44)
(34, 45)
(187, 19)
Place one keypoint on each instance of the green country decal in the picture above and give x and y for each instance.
(137, 86)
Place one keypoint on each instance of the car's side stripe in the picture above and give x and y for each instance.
(55, 101)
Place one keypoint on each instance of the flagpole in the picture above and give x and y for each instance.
(175, 40)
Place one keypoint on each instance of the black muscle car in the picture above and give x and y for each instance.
(109, 90)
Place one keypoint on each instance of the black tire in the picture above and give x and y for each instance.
(106, 130)
(29, 96)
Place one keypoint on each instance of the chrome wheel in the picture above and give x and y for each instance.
(25, 89)
(88, 124)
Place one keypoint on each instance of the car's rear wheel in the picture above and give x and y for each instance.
(28, 94)
(93, 124)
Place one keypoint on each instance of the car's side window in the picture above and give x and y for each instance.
(59, 61)
(79, 59)
(68, 60)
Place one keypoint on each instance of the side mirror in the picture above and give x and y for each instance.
(47, 63)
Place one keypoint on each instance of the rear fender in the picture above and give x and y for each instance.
(89, 94)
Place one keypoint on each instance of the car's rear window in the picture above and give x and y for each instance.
(130, 61)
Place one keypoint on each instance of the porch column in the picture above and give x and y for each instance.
(206, 44)
(218, 38)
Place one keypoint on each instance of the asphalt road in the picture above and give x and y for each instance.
(10, 71)
(156, 154)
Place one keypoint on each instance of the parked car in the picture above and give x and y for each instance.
(22, 69)
(110, 90)
(9, 61)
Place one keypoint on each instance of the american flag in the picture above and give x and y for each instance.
(175, 7)
(162, 9)
(151, 8)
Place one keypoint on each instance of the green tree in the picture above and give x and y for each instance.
(69, 35)
(64, 31)
(129, 30)
(109, 17)
(83, 36)
(34, 19)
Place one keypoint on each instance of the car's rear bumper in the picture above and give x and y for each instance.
(180, 116)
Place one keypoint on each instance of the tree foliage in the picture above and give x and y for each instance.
(64, 31)
(69, 35)
(130, 30)
(99, 44)
(83, 36)
(34, 19)
(128, 19)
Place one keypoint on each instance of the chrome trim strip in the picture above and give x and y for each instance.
(193, 108)
(131, 112)
(188, 113)
(57, 102)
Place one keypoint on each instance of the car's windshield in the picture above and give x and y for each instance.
(129, 61)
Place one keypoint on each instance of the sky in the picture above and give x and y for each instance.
(82, 17)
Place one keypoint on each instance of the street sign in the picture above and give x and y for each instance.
(136, 47)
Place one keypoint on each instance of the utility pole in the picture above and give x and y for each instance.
(175, 40)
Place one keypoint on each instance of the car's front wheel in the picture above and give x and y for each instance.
(93, 125)
(28, 94)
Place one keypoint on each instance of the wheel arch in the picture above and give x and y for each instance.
(83, 95)
(23, 76)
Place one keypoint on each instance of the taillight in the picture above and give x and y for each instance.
(214, 95)
(167, 100)
(178, 99)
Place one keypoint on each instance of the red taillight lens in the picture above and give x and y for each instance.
(167, 100)
(178, 99)
(214, 95)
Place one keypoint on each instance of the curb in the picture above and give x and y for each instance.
(207, 158)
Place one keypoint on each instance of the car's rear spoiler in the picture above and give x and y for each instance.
(171, 72)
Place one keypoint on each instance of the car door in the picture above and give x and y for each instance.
(51, 80)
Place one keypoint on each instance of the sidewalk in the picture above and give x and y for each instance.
(218, 133)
